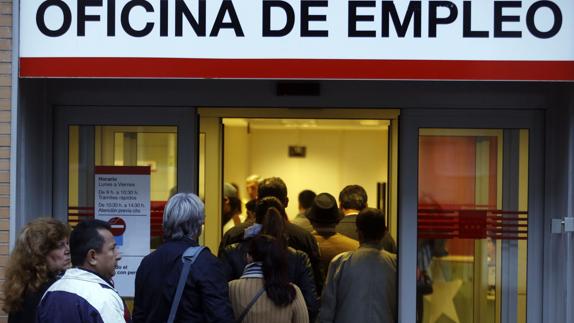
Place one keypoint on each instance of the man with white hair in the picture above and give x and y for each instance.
(205, 296)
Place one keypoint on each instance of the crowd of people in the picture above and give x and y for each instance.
(334, 262)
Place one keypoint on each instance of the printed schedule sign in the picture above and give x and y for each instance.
(123, 200)
(321, 39)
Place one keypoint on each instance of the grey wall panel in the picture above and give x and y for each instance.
(559, 248)
(34, 189)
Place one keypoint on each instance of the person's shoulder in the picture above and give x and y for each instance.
(235, 234)
(297, 231)
(297, 289)
(388, 256)
(342, 257)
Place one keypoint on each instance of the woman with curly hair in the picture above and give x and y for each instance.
(40, 255)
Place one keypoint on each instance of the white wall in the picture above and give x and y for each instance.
(335, 158)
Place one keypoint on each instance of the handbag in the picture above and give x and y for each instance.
(248, 307)
(188, 258)
(424, 283)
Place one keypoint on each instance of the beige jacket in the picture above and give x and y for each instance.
(242, 291)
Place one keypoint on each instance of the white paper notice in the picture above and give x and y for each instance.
(123, 200)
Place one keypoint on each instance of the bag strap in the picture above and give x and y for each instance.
(246, 310)
(188, 258)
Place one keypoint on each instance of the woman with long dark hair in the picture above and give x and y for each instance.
(270, 219)
(40, 255)
(263, 293)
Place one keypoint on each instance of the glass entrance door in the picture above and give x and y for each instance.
(472, 225)
(471, 216)
(88, 137)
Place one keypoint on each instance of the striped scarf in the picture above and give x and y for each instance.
(253, 270)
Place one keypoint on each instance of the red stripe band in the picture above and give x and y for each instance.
(297, 69)
(121, 170)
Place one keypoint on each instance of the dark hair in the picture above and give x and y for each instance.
(353, 197)
(85, 237)
(273, 256)
(264, 204)
(274, 225)
(306, 198)
(273, 186)
(371, 224)
(235, 204)
(250, 206)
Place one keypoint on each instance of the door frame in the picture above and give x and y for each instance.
(411, 121)
(184, 118)
(211, 127)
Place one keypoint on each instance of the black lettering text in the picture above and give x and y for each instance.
(499, 18)
(467, 31)
(226, 7)
(354, 18)
(289, 13)
(434, 20)
(82, 17)
(532, 25)
(41, 14)
(198, 25)
(306, 17)
(390, 13)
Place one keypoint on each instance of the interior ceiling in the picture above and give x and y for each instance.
(315, 124)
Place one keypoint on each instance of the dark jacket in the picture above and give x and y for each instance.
(205, 297)
(348, 227)
(298, 239)
(300, 272)
(27, 314)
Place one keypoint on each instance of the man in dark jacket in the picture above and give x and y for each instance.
(352, 200)
(298, 238)
(205, 297)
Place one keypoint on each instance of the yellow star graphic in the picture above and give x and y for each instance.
(441, 300)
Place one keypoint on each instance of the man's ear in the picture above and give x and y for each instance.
(91, 257)
(286, 202)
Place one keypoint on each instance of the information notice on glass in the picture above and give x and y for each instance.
(123, 200)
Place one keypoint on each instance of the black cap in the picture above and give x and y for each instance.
(324, 210)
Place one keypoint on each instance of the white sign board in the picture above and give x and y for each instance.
(122, 198)
(299, 39)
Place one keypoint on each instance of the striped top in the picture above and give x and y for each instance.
(242, 291)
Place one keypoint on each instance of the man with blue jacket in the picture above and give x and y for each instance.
(86, 293)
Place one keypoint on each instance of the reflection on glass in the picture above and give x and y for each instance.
(91, 146)
(464, 244)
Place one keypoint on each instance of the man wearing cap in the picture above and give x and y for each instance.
(324, 216)
(361, 285)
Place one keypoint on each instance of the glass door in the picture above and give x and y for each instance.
(472, 225)
(470, 216)
(88, 137)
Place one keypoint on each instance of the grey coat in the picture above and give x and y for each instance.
(361, 287)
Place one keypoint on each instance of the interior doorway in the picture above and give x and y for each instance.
(321, 155)
(322, 150)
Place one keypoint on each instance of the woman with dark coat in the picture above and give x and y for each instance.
(300, 271)
(41, 255)
(205, 297)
